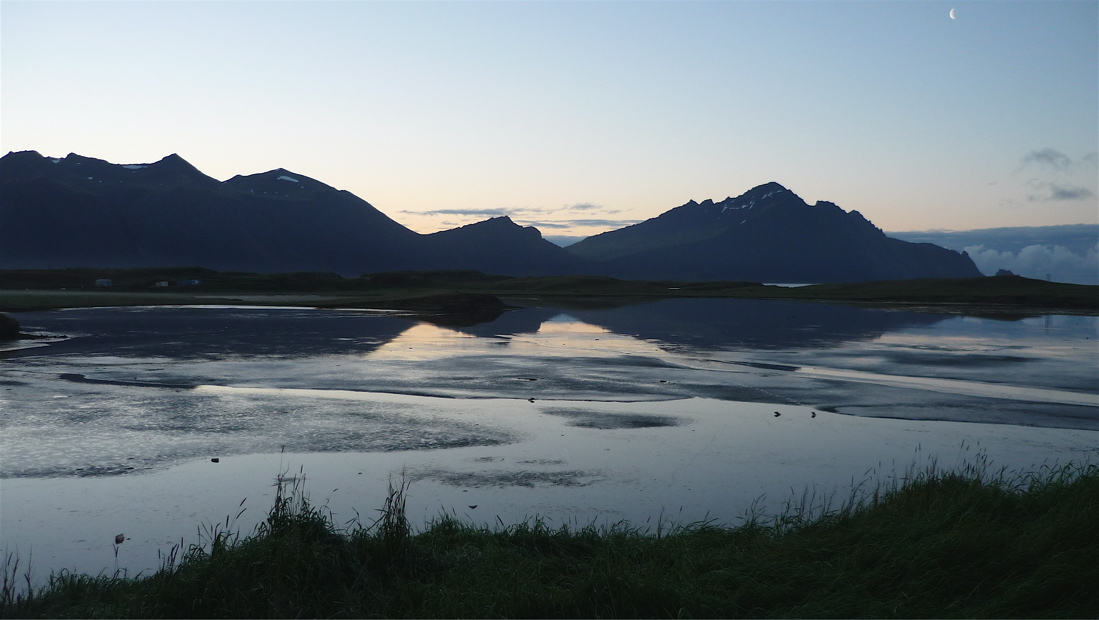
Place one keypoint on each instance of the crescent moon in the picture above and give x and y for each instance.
(952, 14)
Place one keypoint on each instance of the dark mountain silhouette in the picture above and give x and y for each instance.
(479, 246)
(84, 212)
(768, 234)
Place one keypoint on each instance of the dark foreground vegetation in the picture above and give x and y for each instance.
(457, 292)
(9, 327)
(931, 545)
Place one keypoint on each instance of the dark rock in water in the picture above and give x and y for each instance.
(9, 328)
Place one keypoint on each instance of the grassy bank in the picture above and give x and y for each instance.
(933, 545)
(443, 291)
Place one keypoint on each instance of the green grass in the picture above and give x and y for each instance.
(995, 291)
(432, 291)
(936, 544)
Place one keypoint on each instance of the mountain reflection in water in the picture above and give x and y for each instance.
(751, 323)
(700, 324)
(567, 409)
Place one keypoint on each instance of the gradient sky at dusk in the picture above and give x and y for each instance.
(579, 117)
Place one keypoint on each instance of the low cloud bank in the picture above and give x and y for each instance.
(1039, 261)
(1066, 253)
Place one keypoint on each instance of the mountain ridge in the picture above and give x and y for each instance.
(79, 211)
(84, 212)
(767, 234)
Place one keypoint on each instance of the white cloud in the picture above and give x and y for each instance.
(1035, 261)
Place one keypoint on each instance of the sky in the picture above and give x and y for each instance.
(583, 116)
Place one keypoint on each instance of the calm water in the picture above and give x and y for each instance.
(677, 410)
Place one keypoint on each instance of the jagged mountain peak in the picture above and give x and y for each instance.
(277, 183)
(173, 160)
(78, 159)
(173, 168)
(499, 225)
(728, 212)
(82, 212)
(91, 174)
(500, 221)
(770, 186)
(758, 195)
(22, 164)
(474, 245)
(765, 234)
(22, 155)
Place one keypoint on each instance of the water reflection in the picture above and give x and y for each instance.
(211, 333)
(698, 324)
(714, 323)
(752, 324)
(568, 410)
(847, 359)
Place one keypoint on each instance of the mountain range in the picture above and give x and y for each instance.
(767, 234)
(84, 212)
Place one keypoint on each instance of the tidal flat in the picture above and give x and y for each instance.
(676, 410)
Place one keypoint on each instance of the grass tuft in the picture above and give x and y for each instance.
(971, 542)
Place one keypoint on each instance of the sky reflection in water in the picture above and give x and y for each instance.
(574, 414)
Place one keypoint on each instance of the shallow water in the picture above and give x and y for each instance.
(678, 409)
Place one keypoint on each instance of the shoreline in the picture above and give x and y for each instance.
(966, 539)
(473, 293)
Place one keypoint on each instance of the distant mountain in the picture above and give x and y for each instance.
(84, 212)
(479, 246)
(767, 234)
